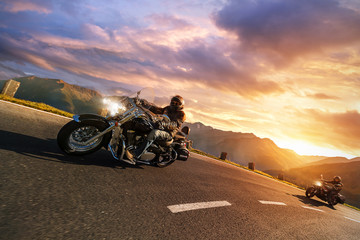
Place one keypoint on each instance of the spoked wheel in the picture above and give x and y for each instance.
(72, 137)
(310, 192)
(164, 160)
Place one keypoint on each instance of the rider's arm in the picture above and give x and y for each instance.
(152, 107)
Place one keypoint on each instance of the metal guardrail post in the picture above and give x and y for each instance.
(251, 166)
(223, 156)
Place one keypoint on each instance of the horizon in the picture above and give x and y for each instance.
(272, 68)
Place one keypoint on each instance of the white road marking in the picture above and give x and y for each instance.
(352, 219)
(196, 206)
(311, 208)
(273, 203)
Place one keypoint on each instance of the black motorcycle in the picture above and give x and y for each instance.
(322, 190)
(125, 127)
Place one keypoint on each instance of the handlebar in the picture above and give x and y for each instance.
(136, 110)
(137, 104)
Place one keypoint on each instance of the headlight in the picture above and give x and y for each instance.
(318, 183)
(113, 107)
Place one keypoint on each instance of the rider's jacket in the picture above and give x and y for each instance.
(177, 117)
(337, 186)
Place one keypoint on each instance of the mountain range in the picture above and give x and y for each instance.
(243, 148)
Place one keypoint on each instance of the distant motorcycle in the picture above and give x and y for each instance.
(88, 133)
(321, 189)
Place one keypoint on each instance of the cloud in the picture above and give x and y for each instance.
(341, 129)
(94, 31)
(283, 30)
(168, 21)
(322, 96)
(8, 72)
(15, 6)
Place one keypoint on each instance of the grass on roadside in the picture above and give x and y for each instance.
(358, 209)
(36, 105)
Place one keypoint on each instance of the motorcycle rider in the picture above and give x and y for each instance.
(335, 188)
(165, 129)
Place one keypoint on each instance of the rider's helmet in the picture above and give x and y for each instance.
(337, 179)
(177, 102)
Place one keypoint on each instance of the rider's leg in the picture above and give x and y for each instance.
(155, 134)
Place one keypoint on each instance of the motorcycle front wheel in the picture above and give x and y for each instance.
(73, 135)
(310, 192)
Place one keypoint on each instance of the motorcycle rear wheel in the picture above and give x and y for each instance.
(165, 160)
(72, 136)
(310, 192)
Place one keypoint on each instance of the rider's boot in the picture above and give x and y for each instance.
(136, 154)
(130, 158)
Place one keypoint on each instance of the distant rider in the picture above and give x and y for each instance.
(165, 129)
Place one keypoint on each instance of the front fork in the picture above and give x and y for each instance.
(129, 115)
(115, 152)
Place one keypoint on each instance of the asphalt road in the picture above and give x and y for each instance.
(47, 195)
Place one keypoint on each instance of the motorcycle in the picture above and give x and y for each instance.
(87, 133)
(322, 190)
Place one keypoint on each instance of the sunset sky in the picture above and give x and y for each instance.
(288, 70)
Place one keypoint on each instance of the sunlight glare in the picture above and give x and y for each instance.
(305, 148)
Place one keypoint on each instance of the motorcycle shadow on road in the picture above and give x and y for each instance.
(311, 201)
(48, 150)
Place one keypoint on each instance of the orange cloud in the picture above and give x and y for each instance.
(341, 130)
(322, 96)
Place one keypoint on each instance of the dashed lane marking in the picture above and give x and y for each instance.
(272, 203)
(352, 219)
(195, 206)
(315, 209)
